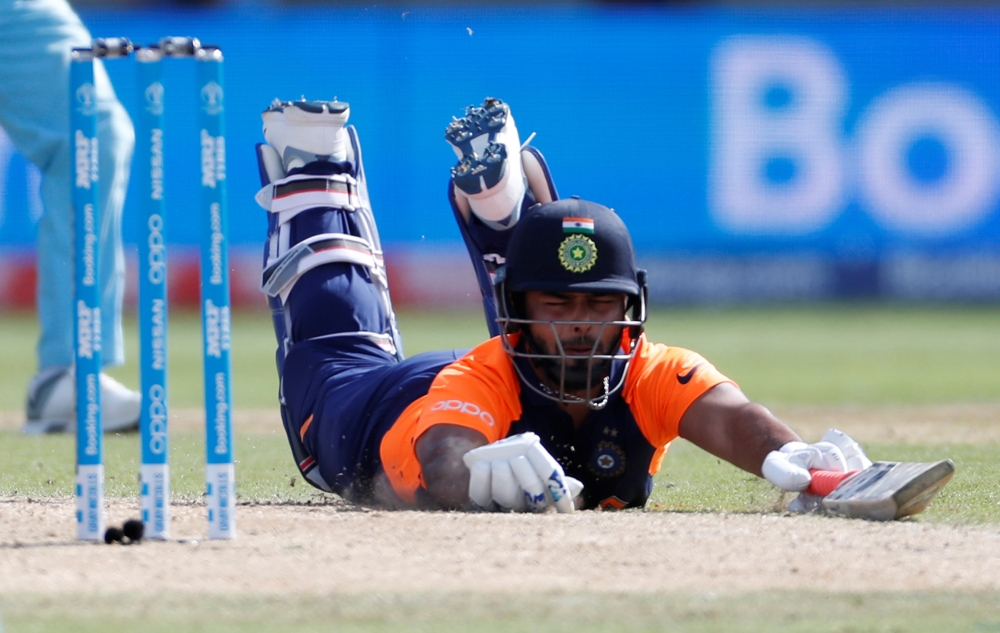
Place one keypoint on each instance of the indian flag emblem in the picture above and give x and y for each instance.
(578, 225)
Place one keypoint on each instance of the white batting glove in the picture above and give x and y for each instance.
(856, 459)
(517, 473)
(788, 468)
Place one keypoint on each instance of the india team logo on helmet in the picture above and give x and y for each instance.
(571, 245)
(578, 253)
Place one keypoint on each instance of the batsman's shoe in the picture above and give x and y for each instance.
(306, 131)
(889, 490)
(489, 171)
(51, 406)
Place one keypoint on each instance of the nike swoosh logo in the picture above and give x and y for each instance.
(686, 378)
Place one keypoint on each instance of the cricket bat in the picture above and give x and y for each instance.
(884, 491)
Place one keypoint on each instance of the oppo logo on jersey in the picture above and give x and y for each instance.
(467, 408)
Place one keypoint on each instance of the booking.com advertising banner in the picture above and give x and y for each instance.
(754, 155)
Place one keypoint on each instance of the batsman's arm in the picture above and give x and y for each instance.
(439, 451)
(724, 422)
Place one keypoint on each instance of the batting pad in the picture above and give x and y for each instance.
(889, 490)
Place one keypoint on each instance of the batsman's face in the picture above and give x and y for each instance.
(579, 332)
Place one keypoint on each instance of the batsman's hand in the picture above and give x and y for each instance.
(788, 468)
(517, 473)
(806, 503)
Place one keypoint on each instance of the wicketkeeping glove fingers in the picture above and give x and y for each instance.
(506, 491)
(553, 476)
(530, 482)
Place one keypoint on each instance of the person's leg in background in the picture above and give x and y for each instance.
(34, 111)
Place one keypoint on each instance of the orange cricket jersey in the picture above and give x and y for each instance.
(482, 391)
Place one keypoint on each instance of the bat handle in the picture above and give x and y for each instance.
(825, 481)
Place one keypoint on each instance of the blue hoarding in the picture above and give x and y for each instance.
(853, 136)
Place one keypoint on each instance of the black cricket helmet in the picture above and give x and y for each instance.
(570, 246)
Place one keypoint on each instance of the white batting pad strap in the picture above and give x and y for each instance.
(279, 277)
(290, 196)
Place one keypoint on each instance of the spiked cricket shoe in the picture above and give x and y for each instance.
(489, 171)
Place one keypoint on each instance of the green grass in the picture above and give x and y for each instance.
(691, 480)
(837, 354)
(754, 612)
(42, 466)
(827, 354)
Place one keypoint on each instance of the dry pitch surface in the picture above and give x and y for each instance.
(336, 548)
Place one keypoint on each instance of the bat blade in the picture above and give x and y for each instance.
(889, 490)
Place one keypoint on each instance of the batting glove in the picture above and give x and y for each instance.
(856, 460)
(517, 473)
(788, 468)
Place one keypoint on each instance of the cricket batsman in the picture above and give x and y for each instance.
(567, 406)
